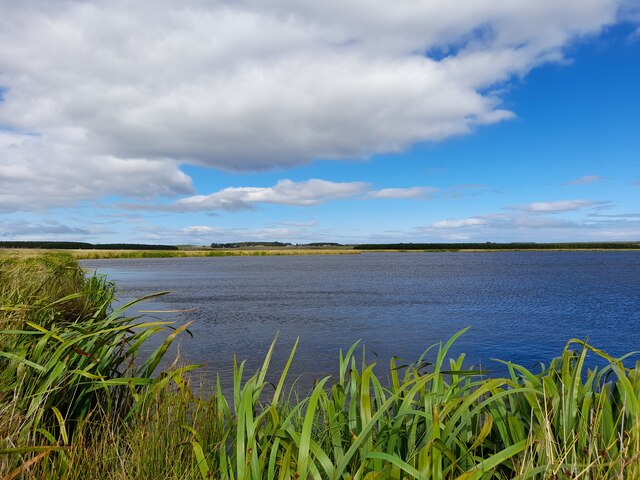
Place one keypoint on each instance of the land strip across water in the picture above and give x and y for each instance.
(88, 251)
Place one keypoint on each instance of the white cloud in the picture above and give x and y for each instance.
(285, 192)
(464, 222)
(24, 230)
(411, 192)
(587, 179)
(207, 234)
(559, 206)
(36, 175)
(536, 221)
(501, 227)
(111, 87)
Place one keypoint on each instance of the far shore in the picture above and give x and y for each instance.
(97, 254)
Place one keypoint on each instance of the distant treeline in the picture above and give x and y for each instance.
(273, 244)
(249, 244)
(499, 246)
(86, 246)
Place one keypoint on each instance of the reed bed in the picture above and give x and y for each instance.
(84, 254)
(77, 401)
(111, 254)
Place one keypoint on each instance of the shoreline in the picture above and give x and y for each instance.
(115, 254)
(81, 254)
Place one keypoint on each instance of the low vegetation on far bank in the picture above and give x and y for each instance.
(114, 254)
(86, 251)
(492, 246)
(77, 400)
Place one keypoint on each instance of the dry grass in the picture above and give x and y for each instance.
(108, 254)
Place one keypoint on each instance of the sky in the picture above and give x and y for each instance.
(346, 121)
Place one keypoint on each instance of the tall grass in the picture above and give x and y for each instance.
(77, 402)
(67, 355)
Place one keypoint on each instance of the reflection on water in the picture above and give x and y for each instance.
(521, 306)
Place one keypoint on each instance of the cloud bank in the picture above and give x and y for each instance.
(519, 221)
(110, 98)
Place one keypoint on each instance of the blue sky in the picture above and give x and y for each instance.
(272, 121)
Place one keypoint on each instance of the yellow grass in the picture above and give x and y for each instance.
(107, 254)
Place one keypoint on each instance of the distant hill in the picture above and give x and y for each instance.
(85, 246)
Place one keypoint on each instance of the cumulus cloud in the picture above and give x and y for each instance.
(587, 179)
(109, 89)
(404, 193)
(37, 175)
(284, 192)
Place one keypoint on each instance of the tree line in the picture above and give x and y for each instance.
(84, 245)
(500, 246)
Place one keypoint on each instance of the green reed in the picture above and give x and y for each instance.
(76, 401)
(66, 354)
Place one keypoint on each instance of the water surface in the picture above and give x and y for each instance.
(521, 306)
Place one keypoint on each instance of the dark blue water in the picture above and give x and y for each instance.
(521, 306)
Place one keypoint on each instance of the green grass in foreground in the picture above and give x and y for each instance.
(76, 401)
